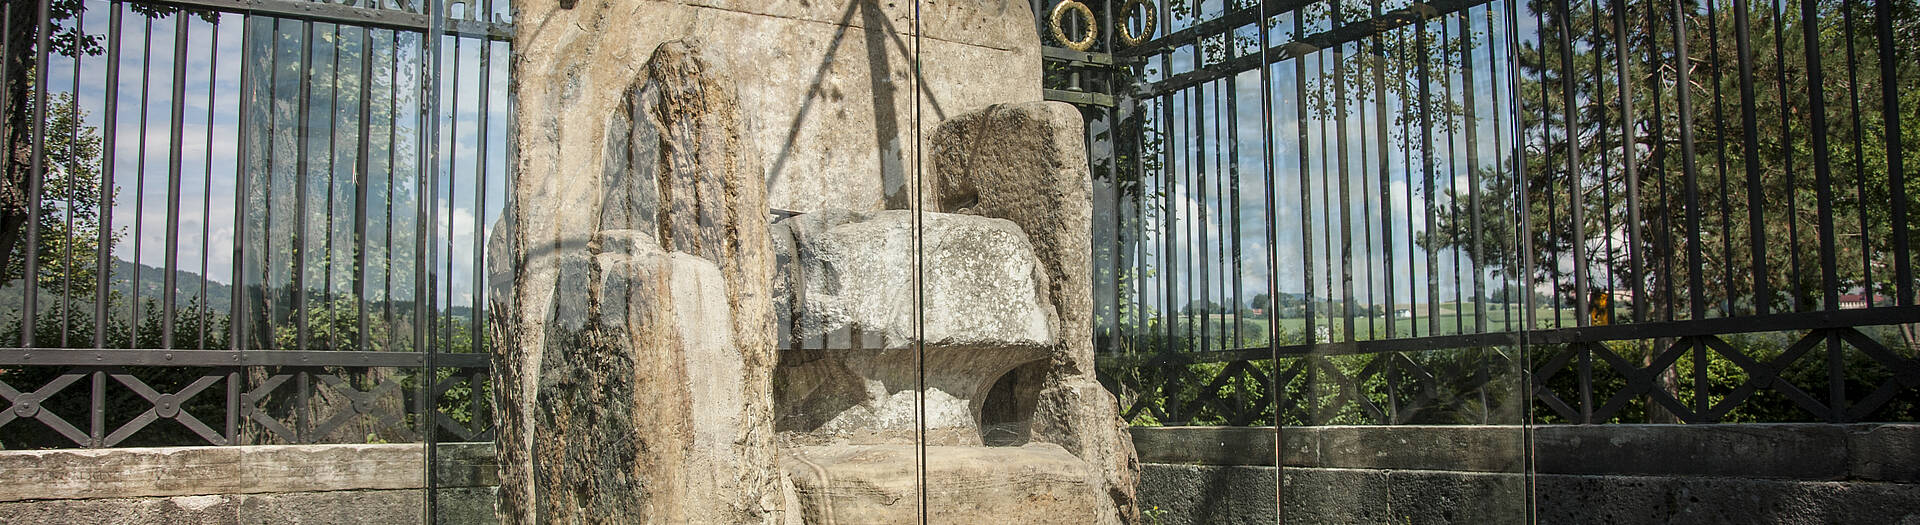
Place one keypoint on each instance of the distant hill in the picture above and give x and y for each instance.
(152, 285)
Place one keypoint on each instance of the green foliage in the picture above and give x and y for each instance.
(70, 205)
(1154, 515)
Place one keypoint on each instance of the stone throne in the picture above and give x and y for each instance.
(1016, 424)
(644, 373)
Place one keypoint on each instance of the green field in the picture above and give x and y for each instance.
(1450, 321)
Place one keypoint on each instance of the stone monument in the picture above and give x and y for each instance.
(672, 354)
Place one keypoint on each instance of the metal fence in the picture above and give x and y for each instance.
(258, 219)
(1586, 211)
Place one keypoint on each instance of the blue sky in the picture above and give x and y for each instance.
(1364, 206)
(209, 147)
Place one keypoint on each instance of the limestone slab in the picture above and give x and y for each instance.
(1036, 484)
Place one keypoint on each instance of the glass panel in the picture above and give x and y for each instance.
(468, 196)
(847, 388)
(1397, 163)
(1301, 226)
(1012, 414)
(1184, 257)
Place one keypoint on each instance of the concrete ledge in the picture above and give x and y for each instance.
(1807, 452)
(1814, 452)
(1206, 445)
(462, 505)
(1884, 452)
(1197, 494)
(263, 469)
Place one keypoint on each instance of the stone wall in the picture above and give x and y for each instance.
(1746, 473)
(1753, 473)
(317, 484)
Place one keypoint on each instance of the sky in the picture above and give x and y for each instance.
(209, 147)
(213, 103)
(1196, 207)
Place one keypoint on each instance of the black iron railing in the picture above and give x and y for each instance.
(248, 221)
(1371, 211)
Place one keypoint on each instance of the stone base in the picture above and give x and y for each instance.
(852, 484)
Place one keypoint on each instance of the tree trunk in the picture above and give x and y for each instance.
(22, 22)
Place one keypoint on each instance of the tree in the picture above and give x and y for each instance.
(22, 66)
(70, 204)
(1703, 203)
(1648, 183)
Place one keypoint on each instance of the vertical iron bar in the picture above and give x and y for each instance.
(1822, 173)
(1311, 298)
(176, 135)
(1727, 277)
(430, 164)
(1586, 383)
(1165, 241)
(1750, 156)
(1421, 50)
(73, 166)
(1499, 147)
(30, 278)
(206, 189)
(1386, 173)
(1453, 172)
(1328, 213)
(97, 418)
(1233, 204)
(237, 310)
(1219, 195)
(327, 261)
(1518, 156)
(1701, 388)
(302, 417)
(140, 183)
(1272, 254)
(393, 124)
(452, 180)
(1664, 228)
(1859, 157)
(1599, 101)
(1471, 95)
(6, 72)
(1306, 197)
(300, 249)
(1361, 174)
(1404, 53)
(480, 181)
(234, 408)
(1797, 299)
(1524, 230)
(1629, 160)
(108, 147)
(1547, 136)
(1836, 376)
(1896, 159)
(1199, 221)
(1347, 311)
(361, 178)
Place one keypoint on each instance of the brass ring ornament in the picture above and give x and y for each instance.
(1060, 34)
(1146, 26)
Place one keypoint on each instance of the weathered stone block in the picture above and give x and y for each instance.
(1036, 484)
(1026, 162)
(832, 96)
(844, 273)
(634, 367)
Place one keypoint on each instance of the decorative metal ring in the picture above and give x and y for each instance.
(1146, 26)
(1060, 35)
